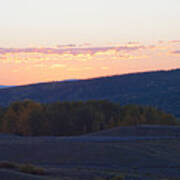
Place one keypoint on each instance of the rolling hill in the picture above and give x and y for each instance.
(160, 89)
(140, 153)
(146, 131)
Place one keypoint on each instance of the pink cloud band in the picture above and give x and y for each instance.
(176, 52)
(72, 51)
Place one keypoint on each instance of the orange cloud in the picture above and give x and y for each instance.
(57, 66)
(29, 65)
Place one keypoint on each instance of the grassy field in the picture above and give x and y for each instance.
(95, 157)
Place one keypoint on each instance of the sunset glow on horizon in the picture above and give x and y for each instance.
(56, 40)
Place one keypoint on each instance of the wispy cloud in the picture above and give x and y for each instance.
(24, 65)
(85, 45)
(71, 51)
(66, 45)
(57, 66)
(176, 52)
(174, 41)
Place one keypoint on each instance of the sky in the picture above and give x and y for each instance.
(54, 40)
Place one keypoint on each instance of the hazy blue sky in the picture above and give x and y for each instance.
(50, 22)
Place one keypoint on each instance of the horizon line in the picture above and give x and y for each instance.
(97, 77)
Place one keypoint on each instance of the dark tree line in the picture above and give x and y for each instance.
(30, 118)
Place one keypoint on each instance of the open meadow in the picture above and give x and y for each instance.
(144, 154)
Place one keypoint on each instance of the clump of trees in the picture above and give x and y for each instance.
(29, 118)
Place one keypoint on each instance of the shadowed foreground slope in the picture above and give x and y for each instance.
(12, 175)
(158, 155)
(141, 131)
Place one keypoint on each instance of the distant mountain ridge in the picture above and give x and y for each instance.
(2, 86)
(160, 89)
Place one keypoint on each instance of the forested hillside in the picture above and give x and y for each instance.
(75, 118)
(159, 89)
